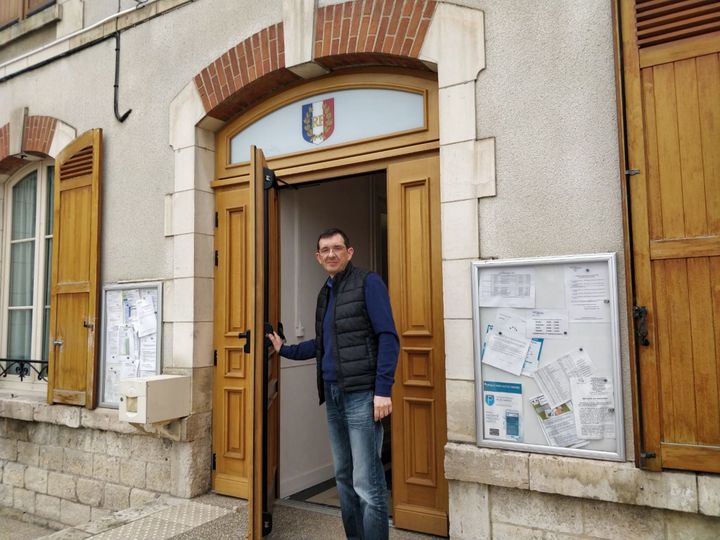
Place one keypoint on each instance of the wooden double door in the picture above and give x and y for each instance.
(246, 426)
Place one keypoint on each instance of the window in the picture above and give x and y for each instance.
(26, 273)
(12, 11)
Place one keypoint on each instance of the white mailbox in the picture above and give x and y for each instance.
(159, 398)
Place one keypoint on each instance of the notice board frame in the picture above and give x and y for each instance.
(155, 286)
(550, 274)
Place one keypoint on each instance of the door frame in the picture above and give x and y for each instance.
(358, 157)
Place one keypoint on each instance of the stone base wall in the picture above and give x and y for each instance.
(500, 494)
(479, 511)
(62, 475)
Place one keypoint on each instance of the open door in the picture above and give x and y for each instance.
(267, 361)
(419, 433)
(245, 408)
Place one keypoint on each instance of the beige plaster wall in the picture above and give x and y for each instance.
(138, 161)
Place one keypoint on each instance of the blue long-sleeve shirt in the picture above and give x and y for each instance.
(380, 313)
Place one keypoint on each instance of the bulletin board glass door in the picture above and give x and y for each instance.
(547, 355)
(131, 336)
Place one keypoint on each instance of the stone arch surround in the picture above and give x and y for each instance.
(309, 42)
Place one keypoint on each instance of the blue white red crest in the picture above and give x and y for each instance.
(318, 120)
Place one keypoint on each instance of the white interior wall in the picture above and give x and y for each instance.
(305, 457)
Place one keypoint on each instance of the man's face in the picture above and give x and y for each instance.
(333, 255)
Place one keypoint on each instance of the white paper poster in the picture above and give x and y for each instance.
(594, 408)
(506, 350)
(558, 424)
(546, 323)
(502, 410)
(586, 292)
(553, 378)
(507, 288)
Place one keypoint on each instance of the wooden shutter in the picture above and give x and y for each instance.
(75, 273)
(31, 6)
(672, 111)
(10, 11)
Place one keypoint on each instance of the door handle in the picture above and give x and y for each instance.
(246, 336)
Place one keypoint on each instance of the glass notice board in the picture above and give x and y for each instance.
(547, 355)
(131, 336)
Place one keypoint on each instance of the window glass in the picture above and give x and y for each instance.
(330, 118)
(29, 207)
(48, 259)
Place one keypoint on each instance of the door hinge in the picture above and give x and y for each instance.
(648, 455)
(639, 314)
(217, 222)
(628, 172)
(267, 523)
(214, 461)
(215, 358)
(216, 257)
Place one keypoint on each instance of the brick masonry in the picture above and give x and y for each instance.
(62, 475)
(372, 26)
(38, 134)
(356, 33)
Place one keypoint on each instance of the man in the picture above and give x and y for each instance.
(356, 347)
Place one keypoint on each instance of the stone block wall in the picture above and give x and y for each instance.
(60, 475)
(500, 513)
(500, 494)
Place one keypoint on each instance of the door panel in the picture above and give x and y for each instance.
(234, 314)
(672, 89)
(419, 488)
(267, 361)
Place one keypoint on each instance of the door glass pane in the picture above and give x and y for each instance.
(19, 333)
(22, 264)
(23, 207)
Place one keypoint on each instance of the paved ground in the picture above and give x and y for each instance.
(14, 529)
(205, 517)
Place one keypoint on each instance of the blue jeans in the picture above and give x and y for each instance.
(356, 442)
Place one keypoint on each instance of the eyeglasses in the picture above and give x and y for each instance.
(326, 250)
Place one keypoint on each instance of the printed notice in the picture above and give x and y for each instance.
(507, 288)
(586, 291)
(506, 350)
(594, 408)
(532, 359)
(502, 410)
(131, 337)
(545, 323)
(558, 423)
(553, 378)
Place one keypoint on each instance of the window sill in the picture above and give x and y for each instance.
(50, 15)
(34, 408)
(609, 481)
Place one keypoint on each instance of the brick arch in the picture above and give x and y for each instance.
(351, 34)
(41, 136)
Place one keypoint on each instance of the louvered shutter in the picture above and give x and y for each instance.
(671, 64)
(75, 273)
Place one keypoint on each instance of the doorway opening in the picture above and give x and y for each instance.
(357, 205)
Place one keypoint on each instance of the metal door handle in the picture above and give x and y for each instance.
(246, 336)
